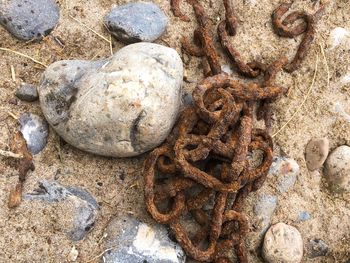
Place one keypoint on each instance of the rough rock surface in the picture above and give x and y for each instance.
(76, 203)
(285, 170)
(317, 248)
(123, 106)
(35, 131)
(337, 169)
(27, 92)
(283, 244)
(264, 209)
(134, 241)
(147, 22)
(27, 20)
(316, 153)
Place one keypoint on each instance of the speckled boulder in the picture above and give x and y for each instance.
(29, 19)
(120, 107)
(283, 244)
(135, 22)
(337, 169)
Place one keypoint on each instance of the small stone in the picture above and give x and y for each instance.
(264, 209)
(28, 20)
(285, 170)
(283, 244)
(316, 153)
(35, 131)
(120, 107)
(339, 36)
(13, 101)
(317, 248)
(187, 99)
(27, 92)
(134, 241)
(136, 22)
(337, 169)
(79, 207)
(304, 216)
(73, 254)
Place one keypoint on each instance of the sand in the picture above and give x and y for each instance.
(33, 232)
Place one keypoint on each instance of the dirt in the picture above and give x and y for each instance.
(33, 233)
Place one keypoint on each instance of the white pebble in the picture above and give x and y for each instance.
(283, 244)
(339, 36)
(337, 169)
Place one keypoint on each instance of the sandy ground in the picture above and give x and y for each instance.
(33, 233)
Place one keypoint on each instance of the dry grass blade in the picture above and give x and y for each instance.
(23, 55)
(101, 254)
(326, 64)
(10, 154)
(303, 102)
(89, 28)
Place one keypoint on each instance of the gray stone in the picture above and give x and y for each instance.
(30, 19)
(264, 209)
(283, 244)
(120, 107)
(136, 22)
(285, 170)
(187, 99)
(317, 248)
(35, 131)
(316, 153)
(304, 216)
(337, 169)
(134, 241)
(85, 207)
(27, 92)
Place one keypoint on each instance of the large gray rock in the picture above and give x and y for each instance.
(35, 131)
(135, 22)
(123, 106)
(78, 208)
(134, 241)
(337, 169)
(30, 19)
(283, 244)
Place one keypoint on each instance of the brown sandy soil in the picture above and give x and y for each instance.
(33, 233)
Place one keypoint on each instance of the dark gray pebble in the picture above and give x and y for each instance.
(135, 241)
(86, 206)
(29, 19)
(27, 92)
(35, 131)
(136, 22)
(187, 99)
(317, 248)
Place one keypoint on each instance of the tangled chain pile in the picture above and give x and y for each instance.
(206, 155)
